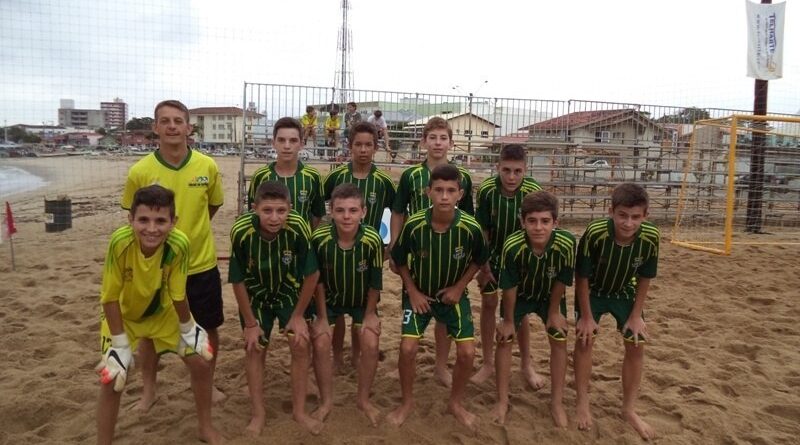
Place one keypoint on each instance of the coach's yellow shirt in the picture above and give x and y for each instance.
(197, 184)
(142, 285)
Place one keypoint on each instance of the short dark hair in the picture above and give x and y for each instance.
(539, 201)
(287, 122)
(436, 123)
(446, 172)
(345, 191)
(512, 152)
(353, 104)
(362, 127)
(171, 103)
(629, 194)
(378, 113)
(272, 190)
(309, 108)
(155, 197)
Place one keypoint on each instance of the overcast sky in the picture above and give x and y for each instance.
(677, 52)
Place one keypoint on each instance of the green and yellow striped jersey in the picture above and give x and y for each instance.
(612, 269)
(411, 197)
(377, 188)
(272, 270)
(305, 189)
(533, 275)
(499, 214)
(438, 260)
(348, 273)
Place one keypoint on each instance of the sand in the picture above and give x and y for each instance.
(722, 366)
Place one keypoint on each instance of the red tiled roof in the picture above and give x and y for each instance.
(233, 111)
(576, 119)
(513, 138)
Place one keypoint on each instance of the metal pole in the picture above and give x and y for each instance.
(755, 188)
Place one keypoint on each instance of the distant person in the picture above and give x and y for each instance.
(304, 182)
(437, 254)
(196, 181)
(332, 124)
(144, 297)
(274, 274)
(309, 122)
(380, 123)
(616, 260)
(351, 118)
(537, 265)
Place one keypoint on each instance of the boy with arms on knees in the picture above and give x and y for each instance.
(498, 205)
(304, 182)
(617, 257)
(197, 183)
(378, 191)
(274, 271)
(332, 124)
(309, 125)
(144, 297)
(411, 197)
(437, 254)
(537, 265)
(350, 256)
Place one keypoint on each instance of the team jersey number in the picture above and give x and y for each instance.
(407, 316)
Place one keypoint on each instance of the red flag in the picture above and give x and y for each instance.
(9, 226)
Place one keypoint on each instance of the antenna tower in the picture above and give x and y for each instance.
(343, 79)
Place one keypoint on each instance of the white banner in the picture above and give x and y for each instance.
(765, 40)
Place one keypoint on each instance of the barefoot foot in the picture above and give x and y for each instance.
(583, 416)
(534, 380)
(255, 426)
(499, 413)
(443, 376)
(210, 436)
(145, 403)
(465, 417)
(643, 428)
(313, 425)
(486, 371)
(559, 415)
(322, 412)
(399, 415)
(369, 410)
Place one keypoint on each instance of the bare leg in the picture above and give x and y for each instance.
(441, 372)
(254, 368)
(503, 373)
(407, 365)
(299, 376)
(148, 362)
(107, 410)
(631, 378)
(213, 339)
(324, 373)
(533, 379)
(488, 325)
(558, 377)
(465, 356)
(201, 376)
(338, 344)
(366, 374)
(355, 346)
(583, 373)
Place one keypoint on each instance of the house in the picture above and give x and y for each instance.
(600, 128)
(222, 126)
(468, 128)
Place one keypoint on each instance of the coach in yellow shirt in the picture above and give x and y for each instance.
(197, 184)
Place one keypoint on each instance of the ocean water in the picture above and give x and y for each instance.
(15, 180)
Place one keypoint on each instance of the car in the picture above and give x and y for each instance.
(597, 163)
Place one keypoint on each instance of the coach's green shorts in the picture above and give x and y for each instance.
(492, 287)
(267, 315)
(524, 306)
(457, 317)
(619, 308)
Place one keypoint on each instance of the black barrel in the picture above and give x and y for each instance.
(61, 211)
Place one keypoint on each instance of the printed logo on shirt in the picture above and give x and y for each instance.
(362, 266)
(458, 253)
(302, 196)
(127, 274)
(551, 272)
(199, 181)
(372, 198)
(287, 257)
(637, 262)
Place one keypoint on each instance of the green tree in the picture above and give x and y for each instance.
(16, 134)
(101, 131)
(685, 116)
(31, 138)
(139, 123)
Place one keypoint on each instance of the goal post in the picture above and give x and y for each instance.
(719, 196)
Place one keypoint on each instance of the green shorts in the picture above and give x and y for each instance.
(492, 287)
(457, 317)
(162, 328)
(266, 317)
(619, 308)
(523, 307)
(356, 313)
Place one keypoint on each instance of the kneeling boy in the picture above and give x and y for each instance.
(144, 297)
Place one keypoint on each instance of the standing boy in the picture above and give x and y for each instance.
(304, 182)
(437, 254)
(378, 191)
(350, 256)
(437, 138)
(498, 205)
(351, 118)
(537, 265)
(196, 181)
(309, 122)
(144, 297)
(274, 272)
(617, 257)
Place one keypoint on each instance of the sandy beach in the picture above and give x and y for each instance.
(722, 364)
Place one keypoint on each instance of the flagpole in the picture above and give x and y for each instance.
(11, 245)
